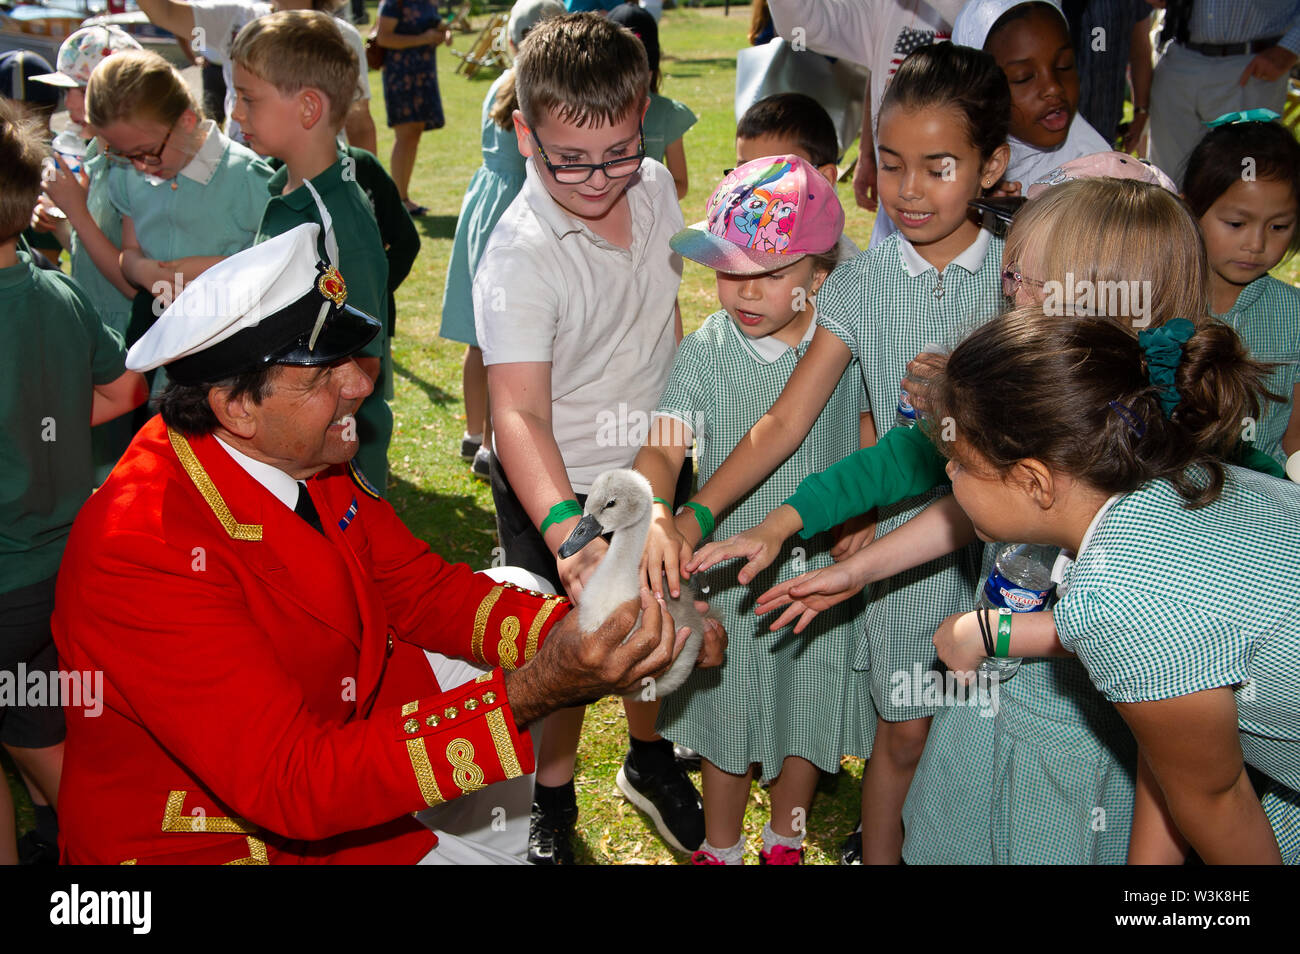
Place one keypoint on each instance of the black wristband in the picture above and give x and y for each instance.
(986, 631)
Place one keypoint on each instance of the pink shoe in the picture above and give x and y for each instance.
(705, 858)
(781, 855)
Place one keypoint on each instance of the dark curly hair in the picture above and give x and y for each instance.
(186, 408)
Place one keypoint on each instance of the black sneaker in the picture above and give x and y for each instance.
(33, 849)
(469, 447)
(550, 837)
(851, 850)
(689, 758)
(669, 799)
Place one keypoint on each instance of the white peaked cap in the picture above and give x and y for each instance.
(234, 294)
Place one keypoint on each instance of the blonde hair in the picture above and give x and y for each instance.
(1107, 231)
(583, 68)
(505, 102)
(22, 150)
(300, 49)
(137, 84)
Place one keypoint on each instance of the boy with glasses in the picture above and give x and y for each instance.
(575, 310)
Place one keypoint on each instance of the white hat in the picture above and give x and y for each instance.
(278, 302)
(526, 14)
(85, 49)
(971, 28)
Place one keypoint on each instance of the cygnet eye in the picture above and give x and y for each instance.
(611, 503)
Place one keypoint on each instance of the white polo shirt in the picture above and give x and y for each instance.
(549, 289)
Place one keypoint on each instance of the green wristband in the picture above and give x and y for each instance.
(559, 513)
(664, 502)
(703, 516)
(1004, 633)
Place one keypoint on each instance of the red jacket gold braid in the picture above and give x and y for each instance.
(266, 697)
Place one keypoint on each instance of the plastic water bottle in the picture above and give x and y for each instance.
(1021, 581)
(906, 415)
(71, 149)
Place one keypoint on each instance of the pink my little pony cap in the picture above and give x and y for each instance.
(765, 215)
(1102, 165)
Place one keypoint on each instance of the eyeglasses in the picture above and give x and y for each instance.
(1012, 280)
(575, 173)
(145, 158)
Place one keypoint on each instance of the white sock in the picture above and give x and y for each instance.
(476, 438)
(771, 839)
(735, 855)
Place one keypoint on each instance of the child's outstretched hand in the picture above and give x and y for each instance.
(759, 546)
(852, 535)
(666, 551)
(576, 570)
(809, 594)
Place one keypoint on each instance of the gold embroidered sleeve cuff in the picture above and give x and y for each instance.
(463, 740)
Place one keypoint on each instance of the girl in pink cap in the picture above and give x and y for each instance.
(790, 705)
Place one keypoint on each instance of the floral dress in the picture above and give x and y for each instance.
(410, 75)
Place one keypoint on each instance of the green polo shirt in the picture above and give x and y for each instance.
(61, 351)
(364, 267)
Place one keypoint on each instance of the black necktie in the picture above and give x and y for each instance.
(307, 510)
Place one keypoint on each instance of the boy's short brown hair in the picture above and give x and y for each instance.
(300, 49)
(136, 84)
(583, 68)
(22, 152)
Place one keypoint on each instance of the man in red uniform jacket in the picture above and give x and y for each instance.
(258, 612)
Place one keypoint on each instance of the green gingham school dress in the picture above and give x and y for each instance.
(887, 315)
(1044, 776)
(1165, 601)
(1266, 316)
(777, 694)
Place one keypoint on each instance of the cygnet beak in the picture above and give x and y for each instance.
(588, 529)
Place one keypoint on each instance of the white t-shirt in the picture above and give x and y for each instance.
(548, 289)
(221, 21)
(1029, 163)
(875, 33)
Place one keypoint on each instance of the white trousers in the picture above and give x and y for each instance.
(1190, 89)
(490, 826)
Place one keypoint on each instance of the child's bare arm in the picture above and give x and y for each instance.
(526, 448)
(139, 270)
(1155, 839)
(68, 192)
(938, 529)
(675, 160)
(660, 461)
(124, 393)
(192, 266)
(777, 433)
(1192, 745)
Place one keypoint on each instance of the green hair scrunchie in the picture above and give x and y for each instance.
(1163, 348)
